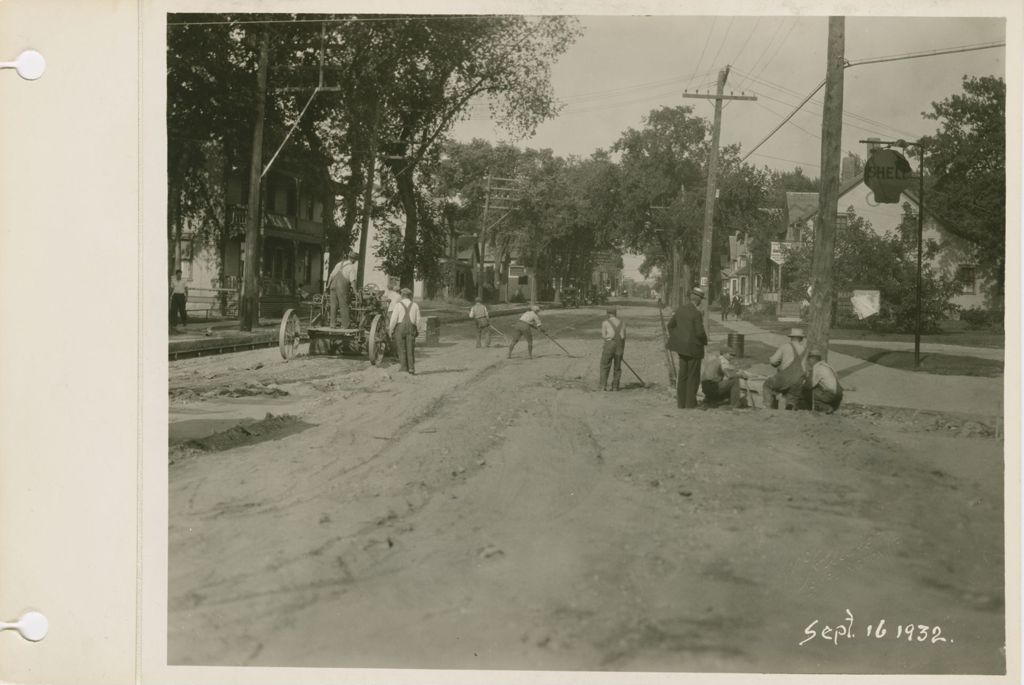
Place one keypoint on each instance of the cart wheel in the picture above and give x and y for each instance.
(290, 334)
(376, 342)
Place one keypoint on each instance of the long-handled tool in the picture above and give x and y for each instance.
(498, 332)
(642, 382)
(668, 353)
(554, 341)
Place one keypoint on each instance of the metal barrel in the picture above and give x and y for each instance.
(735, 341)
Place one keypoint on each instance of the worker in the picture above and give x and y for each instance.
(613, 332)
(687, 338)
(338, 285)
(791, 365)
(403, 329)
(822, 389)
(179, 297)
(478, 312)
(720, 379)
(524, 329)
(724, 302)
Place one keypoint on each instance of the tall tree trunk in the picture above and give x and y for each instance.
(370, 171)
(407, 195)
(350, 201)
(249, 301)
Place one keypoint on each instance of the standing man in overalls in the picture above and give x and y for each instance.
(613, 331)
(403, 328)
(338, 285)
(483, 322)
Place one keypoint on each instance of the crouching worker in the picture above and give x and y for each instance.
(524, 329)
(822, 389)
(791, 365)
(720, 379)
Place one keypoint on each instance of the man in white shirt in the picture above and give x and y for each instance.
(524, 329)
(824, 393)
(719, 378)
(403, 328)
(179, 296)
(478, 313)
(339, 283)
(613, 332)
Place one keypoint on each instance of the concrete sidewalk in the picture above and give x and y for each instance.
(868, 383)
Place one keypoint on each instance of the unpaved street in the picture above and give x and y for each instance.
(489, 513)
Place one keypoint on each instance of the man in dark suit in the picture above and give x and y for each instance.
(687, 338)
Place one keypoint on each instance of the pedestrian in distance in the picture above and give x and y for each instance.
(613, 332)
(524, 329)
(724, 302)
(720, 379)
(478, 312)
(403, 329)
(737, 307)
(822, 391)
(179, 298)
(339, 284)
(687, 338)
(791, 365)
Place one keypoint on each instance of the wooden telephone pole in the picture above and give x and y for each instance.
(502, 195)
(828, 198)
(249, 298)
(709, 201)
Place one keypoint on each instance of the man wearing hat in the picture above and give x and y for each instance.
(478, 312)
(403, 328)
(524, 329)
(791, 365)
(613, 332)
(687, 338)
(719, 378)
(338, 285)
(822, 389)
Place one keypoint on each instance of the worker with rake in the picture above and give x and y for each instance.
(478, 313)
(524, 329)
(613, 332)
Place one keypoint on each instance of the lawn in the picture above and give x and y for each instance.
(941, 364)
(953, 333)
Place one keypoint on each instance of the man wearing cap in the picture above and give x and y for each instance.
(524, 329)
(179, 296)
(403, 328)
(720, 379)
(613, 332)
(338, 285)
(822, 389)
(791, 364)
(687, 338)
(478, 312)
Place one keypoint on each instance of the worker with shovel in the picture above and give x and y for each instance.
(524, 329)
(613, 332)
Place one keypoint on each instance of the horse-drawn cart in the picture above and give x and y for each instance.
(368, 335)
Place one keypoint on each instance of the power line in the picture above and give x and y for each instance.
(706, 41)
(873, 60)
(747, 41)
(783, 159)
(724, 38)
(771, 41)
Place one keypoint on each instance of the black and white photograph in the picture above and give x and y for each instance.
(651, 342)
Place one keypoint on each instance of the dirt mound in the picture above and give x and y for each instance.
(269, 428)
(957, 425)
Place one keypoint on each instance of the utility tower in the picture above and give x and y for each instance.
(709, 201)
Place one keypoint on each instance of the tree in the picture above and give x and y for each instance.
(966, 161)
(866, 260)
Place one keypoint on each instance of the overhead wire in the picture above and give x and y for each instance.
(706, 41)
(724, 39)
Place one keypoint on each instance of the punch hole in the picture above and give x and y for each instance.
(32, 626)
(30, 65)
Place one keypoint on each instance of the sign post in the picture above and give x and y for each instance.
(778, 255)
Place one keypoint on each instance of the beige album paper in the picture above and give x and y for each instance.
(471, 373)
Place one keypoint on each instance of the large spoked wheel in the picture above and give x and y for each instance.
(290, 334)
(377, 341)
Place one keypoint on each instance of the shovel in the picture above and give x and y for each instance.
(642, 382)
(555, 341)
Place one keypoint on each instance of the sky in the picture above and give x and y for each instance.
(622, 67)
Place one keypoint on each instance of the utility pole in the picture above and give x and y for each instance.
(506, 194)
(368, 176)
(249, 298)
(709, 200)
(483, 238)
(828, 198)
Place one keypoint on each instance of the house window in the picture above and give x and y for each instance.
(967, 276)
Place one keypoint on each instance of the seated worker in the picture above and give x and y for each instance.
(720, 379)
(822, 389)
(788, 380)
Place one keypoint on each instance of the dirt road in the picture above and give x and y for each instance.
(489, 513)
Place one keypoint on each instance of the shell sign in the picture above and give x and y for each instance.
(887, 173)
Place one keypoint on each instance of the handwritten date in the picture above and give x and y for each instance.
(878, 630)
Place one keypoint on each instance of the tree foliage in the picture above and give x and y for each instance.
(966, 159)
